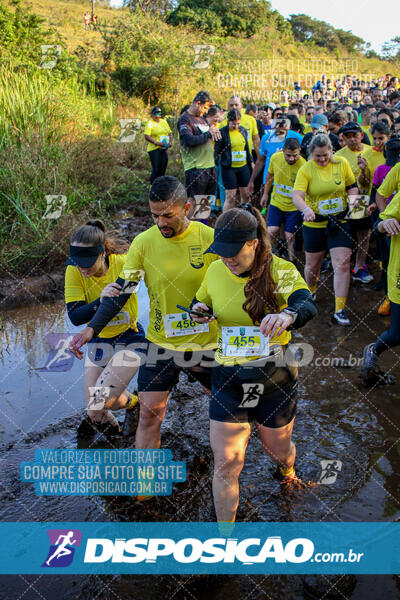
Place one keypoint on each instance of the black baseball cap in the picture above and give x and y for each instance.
(350, 127)
(229, 242)
(84, 256)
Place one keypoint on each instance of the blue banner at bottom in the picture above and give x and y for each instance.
(198, 548)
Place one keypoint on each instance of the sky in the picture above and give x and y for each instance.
(361, 17)
(375, 21)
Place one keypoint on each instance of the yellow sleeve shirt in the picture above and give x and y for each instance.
(238, 146)
(174, 269)
(249, 123)
(284, 179)
(374, 159)
(158, 131)
(393, 211)
(352, 158)
(391, 183)
(325, 187)
(223, 291)
(87, 289)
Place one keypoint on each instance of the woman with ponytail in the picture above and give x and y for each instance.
(95, 261)
(256, 298)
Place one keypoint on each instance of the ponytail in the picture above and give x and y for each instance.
(94, 233)
(260, 289)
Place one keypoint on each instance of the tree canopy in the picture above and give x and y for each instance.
(307, 29)
(228, 18)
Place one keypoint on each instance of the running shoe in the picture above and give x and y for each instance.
(288, 481)
(86, 428)
(384, 308)
(362, 275)
(369, 362)
(341, 318)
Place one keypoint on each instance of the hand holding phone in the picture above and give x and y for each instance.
(200, 313)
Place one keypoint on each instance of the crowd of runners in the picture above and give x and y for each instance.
(292, 189)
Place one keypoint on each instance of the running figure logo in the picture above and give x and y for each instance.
(251, 394)
(330, 470)
(202, 55)
(62, 547)
(59, 358)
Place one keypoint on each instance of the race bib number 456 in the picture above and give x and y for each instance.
(244, 341)
(181, 324)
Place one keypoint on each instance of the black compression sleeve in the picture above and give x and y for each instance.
(301, 301)
(80, 312)
(373, 195)
(108, 309)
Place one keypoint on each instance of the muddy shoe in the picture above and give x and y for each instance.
(291, 481)
(340, 318)
(369, 363)
(86, 429)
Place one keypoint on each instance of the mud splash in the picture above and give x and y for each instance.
(338, 419)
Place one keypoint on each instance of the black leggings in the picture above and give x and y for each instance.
(159, 162)
(390, 337)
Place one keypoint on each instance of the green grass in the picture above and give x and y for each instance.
(58, 137)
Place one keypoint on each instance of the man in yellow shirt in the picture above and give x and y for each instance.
(171, 255)
(282, 172)
(247, 121)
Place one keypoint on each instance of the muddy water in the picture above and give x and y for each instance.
(337, 418)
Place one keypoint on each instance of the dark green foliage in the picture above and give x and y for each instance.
(227, 18)
(307, 29)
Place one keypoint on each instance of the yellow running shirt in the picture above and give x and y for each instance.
(352, 157)
(174, 269)
(223, 291)
(158, 131)
(391, 183)
(325, 187)
(374, 159)
(238, 145)
(249, 123)
(284, 178)
(393, 277)
(87, 289)
(366, 129)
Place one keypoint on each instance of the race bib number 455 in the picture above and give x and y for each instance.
(181, 324)
(244, 341)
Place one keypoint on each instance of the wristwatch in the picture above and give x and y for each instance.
(290, 311)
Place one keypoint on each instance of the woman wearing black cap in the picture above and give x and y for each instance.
(94, 264)
(159, 137)
(256, 297)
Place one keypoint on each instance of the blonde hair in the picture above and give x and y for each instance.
(319, 140)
